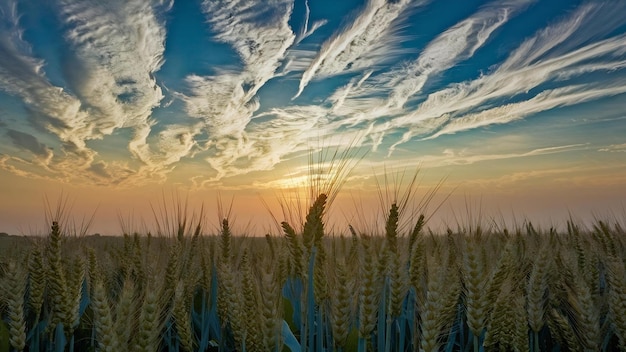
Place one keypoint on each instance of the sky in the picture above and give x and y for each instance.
(125, 108)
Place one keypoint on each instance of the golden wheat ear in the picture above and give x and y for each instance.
(103, 319)
(313, 230)
(14, 289)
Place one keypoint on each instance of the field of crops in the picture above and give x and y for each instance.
(466, 289)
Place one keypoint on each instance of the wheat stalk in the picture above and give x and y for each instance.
(172, 274)
(150, 321)
(36, 281)
(139, 274)
(229, 302)
(341, 305)
(587, 314)
(537, 289)
(125, 313)
(503, 269)
(617, 299)
(296, 253)
(250, 302)
(391, 228)
(368, 298)
(398, 284)
(562, 329)
(57, 284)
(182, 317)
(431, 319)
(14, 293)
(313, 229)
(270, 306)
(508, 329)
(474, 278)
(75, 277)
(103, 320)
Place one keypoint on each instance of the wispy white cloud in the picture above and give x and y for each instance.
(283, 132)
(21, 168)
(22, 75)
(361, 44)
(118, 47)
(385, 95)
(614, 148)
(305, 31)
(469, 156)
(338, 98)
(258, 31)
(456, 44)
(589, 21)
(221, 102)
(543, 101)
(297, 60)
(479, 102)
(16, 60)
(260, 34)
(519, 74)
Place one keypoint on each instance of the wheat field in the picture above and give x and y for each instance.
(469, 289)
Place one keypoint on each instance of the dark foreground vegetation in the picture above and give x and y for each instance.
(469, 289)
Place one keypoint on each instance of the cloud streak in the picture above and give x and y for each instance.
(538, 60)
(456, 44)
(108, 119)
(365, 101)
(118, 47)
(22, 75)
(614, 148)
(361, 44)
(305, 31)
(260, 35)
(543, 101)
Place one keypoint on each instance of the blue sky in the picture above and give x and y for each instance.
(234, 94)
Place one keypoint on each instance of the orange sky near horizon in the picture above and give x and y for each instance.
(546, 198)
(519, 105)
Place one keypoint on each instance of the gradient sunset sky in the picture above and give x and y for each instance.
(520, 106)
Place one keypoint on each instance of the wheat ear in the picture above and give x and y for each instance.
(74, 292)
(150, 321)
(296, 253)
(57, 283)
(250, 295)
(36, 281)
(341, 305)
(125, 313)
(368, 299)
(103, 321)
(508, 329)
(587, 314)
(537, 289)
(14, 292)
(271, 318)
(474, 278)
(432, 312)
(617, 299)
(182, 317)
